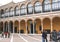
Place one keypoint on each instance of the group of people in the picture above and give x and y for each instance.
(5, 34)
(54, 36)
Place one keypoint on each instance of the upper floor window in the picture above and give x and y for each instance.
(23, 10)
(6, 12)
(2, 13)
(47, 5)
(38, 7)
(17, 11)
(59, 4)
(54, 0)
(58, 0)
(30, 9)
(11, 12)
(54, 5)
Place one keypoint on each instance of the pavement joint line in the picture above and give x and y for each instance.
(22, 38)
(34, 38)
(11, 39)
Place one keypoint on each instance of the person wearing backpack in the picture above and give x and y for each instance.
(59, 36)
(54, 35)
(44, 36)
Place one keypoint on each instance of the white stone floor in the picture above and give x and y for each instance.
(23, 38)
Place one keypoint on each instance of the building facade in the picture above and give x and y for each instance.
(30, 16)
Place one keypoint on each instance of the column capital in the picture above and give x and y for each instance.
(13, 21)
(8, 21)
(3, 21)
(19, 20)
(26, 21)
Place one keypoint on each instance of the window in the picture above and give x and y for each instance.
(54, 0)
(23, 10)
(30, 9)
(47, 5)
(17, 11)
(59, 4)
(11, 12)
(6, 13)
(38, 7)
(54, 5)
(2, 13)
(58, 0)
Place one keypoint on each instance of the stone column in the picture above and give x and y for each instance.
(8, 26)
(33, 28)
(26, 27)
(42, 25)
(3, 27)
(19, 27)
(13, 27)
(51, 26)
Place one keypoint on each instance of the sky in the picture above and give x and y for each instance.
(3, 2)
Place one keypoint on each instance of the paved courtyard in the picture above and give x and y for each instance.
(23, 38)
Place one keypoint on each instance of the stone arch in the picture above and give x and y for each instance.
(37, 1)
(6, 26)
(11, 11)
(16, 26)
(23, 8)
(56, 23)
(23, 27)
(10, 8)
(37, 26)
(11, 26)
(37, 7)
(30, 26)
(29, 8)
(29, 3)
(16, 10)
(6, 9)
(1, 27)
(47, 24)
(2, 11)
(46, 3)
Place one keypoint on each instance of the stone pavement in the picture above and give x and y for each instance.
(5, 40)
(23, 38)
(16, 38)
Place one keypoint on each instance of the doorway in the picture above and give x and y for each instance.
(21, 31)
(31, 28)
(15, 30)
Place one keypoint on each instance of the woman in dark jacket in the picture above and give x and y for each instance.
(44, 36)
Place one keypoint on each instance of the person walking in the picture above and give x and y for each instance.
(2, 34)
(44, 36)
(50, 37)
(59, 36)
(54, 35)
